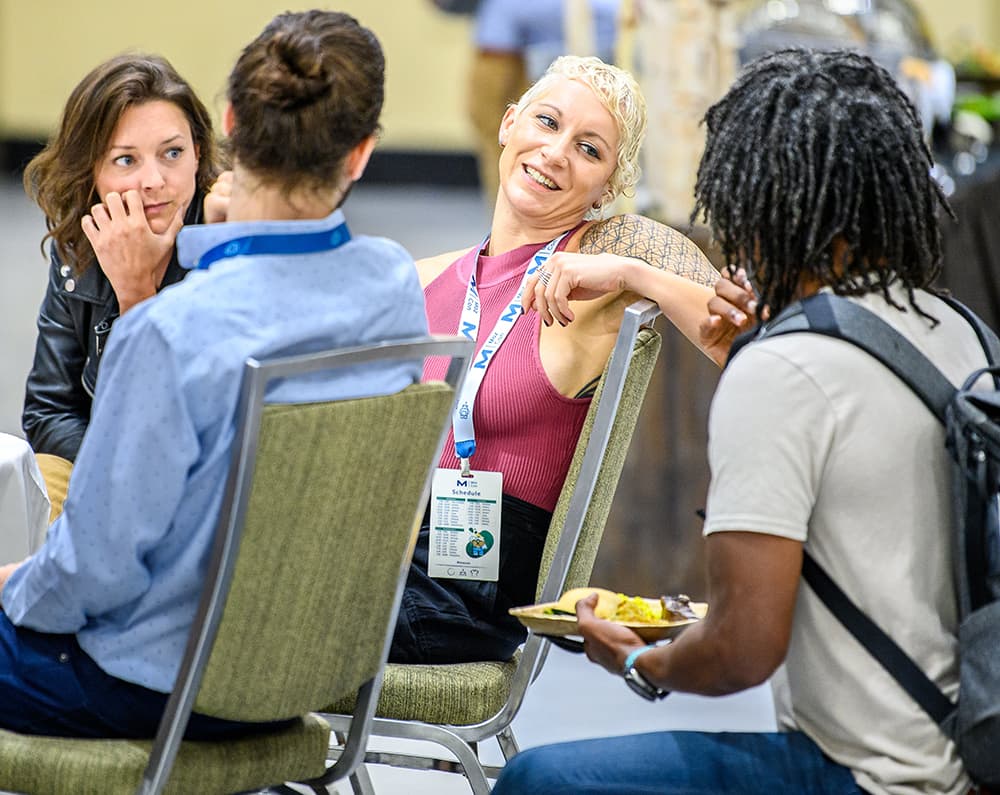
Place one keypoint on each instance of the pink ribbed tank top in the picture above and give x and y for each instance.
(524, 427)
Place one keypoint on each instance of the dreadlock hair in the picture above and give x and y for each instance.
(808, 148)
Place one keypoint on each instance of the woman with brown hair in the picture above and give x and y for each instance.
(130, 164)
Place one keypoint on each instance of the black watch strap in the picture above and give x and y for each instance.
(638, 683)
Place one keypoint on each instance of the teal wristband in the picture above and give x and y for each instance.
(634, 655)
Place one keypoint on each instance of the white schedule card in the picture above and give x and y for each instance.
(465, 525)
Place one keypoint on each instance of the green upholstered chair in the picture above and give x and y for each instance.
(301, 594)
(458, 705)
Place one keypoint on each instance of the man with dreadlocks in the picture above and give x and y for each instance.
(815, 177)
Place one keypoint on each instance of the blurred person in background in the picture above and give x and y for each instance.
(514, 42)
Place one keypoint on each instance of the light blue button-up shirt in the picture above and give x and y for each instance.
(124, 564)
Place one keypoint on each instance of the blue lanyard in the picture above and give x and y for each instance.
(248, 246)
(465, 432)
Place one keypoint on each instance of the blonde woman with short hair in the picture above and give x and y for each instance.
(569, 147)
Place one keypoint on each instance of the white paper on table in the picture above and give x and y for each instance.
(24, 502)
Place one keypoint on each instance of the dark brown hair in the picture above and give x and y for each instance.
(60, 179)
(304, 93)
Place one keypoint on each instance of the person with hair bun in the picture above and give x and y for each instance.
(569, 147)
(132, 160)
(114, 588)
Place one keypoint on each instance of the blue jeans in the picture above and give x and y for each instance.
(50, 686)
(678, 763)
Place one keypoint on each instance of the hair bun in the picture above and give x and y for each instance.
(304, 93)
(298, 75)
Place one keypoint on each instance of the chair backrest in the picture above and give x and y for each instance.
(582, 511)
(328, 523)
(579, 517)
(322, 506)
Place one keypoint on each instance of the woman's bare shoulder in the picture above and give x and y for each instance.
(429, 268)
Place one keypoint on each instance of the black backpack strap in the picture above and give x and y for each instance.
(784, 323)
(741, 341)
(987, 337)
(883, 648)
(838, 317)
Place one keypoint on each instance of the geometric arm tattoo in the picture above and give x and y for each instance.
(654, 243)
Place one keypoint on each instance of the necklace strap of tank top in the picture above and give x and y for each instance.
(462, 422)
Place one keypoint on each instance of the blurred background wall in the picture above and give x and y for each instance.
(47, 45)
(953, 22)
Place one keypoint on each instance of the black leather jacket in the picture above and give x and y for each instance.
(73, 325)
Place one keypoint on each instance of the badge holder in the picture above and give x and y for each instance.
(465, 525)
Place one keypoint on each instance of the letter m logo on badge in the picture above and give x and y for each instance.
(512, 312)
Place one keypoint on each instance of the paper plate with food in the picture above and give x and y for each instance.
(652, 619)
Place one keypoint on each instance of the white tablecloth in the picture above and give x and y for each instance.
(24, 504)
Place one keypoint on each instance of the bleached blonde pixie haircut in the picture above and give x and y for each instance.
(620, 94)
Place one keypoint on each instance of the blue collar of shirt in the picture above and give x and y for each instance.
(193, 241)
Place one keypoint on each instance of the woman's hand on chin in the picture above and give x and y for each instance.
(130, 253)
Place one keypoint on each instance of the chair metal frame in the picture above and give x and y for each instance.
(258, 374)
(462, 740)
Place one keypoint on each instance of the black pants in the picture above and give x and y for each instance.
(448, 621)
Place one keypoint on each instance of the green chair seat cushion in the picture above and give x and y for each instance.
(67, 766)
(460, 694)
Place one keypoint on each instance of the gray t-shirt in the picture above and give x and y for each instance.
(812, 439)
